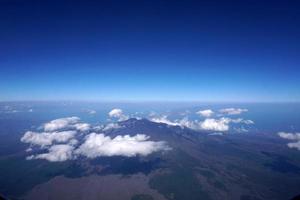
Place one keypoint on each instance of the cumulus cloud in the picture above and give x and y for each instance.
(289, 136)
(295, 137)
(47, 138)
(216, 124)
(66, 123)
(61, 123)
(57, 153)
(67, 138)
(82, 126)
(233, 111)
(210, 124)
(205, 113)
(96, 145)
(118, 114)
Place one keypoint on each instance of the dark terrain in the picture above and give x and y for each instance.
(199, 166)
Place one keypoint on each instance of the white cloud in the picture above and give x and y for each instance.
(57, 153)
(61, 123)
(68, 143)
(205, 113)
(215, 124)
(47, 138)
(111, 126)
(233, 111)
(209, 124)
(164, 119)
(294, 145)
(66, 123)
(82, 126)
(118, 113)
(291, 136)
(97, 145)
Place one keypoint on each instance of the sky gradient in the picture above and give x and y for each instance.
(150, 50)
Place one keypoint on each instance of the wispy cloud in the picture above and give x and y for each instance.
(233, 111)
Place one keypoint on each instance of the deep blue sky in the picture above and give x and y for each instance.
(150, 50)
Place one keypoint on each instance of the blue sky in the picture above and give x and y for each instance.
(150, 50)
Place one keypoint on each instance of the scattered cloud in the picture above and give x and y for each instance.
(205, 113)
(118, 114)
(233, 111)
(210, 124)
(295, 137)
(67, 138)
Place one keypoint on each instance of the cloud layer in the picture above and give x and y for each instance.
(96, 145)
(209, 124)
(68, 138)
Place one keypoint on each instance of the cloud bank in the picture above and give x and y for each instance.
(96, 145)
(68, 138)
(209, 124)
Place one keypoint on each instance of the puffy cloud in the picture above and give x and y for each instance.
(57, 153)
(291, 136)
(82, 126)
(209, 124)
(233, 111)
(111, 126)
(97, 145)
(205, 113)
(61, 123)
(66, 123)
(215, 124)
(118, 113)
(68, 143)
(47, 138)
